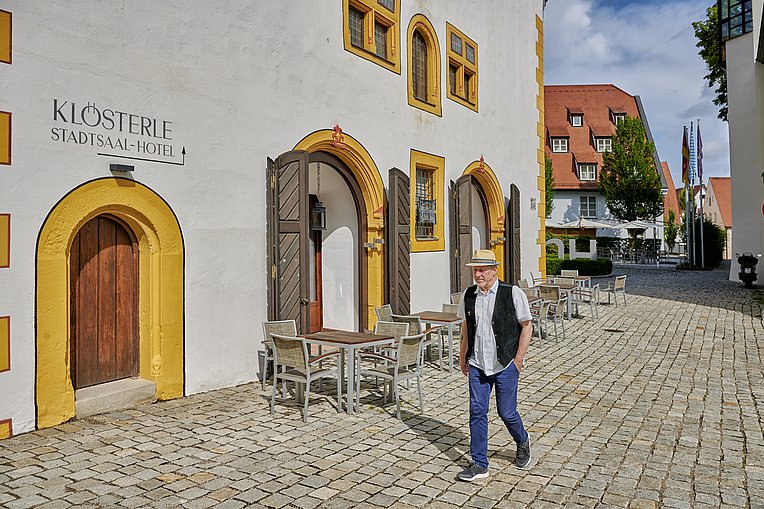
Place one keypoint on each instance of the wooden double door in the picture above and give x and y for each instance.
(103, 303)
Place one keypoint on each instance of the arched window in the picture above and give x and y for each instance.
(424, 66)
(419, 65)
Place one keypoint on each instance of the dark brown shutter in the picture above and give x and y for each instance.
(398, 243)
(512, 233)
(288, 216)
(460, 198)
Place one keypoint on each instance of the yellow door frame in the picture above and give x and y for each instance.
(161, 287)
(366, 173)
(486, 178)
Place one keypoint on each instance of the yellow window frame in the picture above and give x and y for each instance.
(433, 104)
(374, 12)
(436, 164)
(463, 67)
(6, 35)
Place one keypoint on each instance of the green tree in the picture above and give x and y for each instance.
(629, 178)
(670, 230)
(707, 34)
(548, 186)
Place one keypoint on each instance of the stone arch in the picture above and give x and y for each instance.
(161, 287)
(366, 174)
(485, 176)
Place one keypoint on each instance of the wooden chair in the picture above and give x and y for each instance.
(291, 353)
(403, 365)
(283, 327)
(616, 287)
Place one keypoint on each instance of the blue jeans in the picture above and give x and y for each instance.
(506, 405)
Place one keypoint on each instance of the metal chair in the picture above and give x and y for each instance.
(586, 295)
(456, 298)
(569, 273)
(614, 288)
(283, 327)
(405, 364)
(555, 308)
(415, 327)
(291, 353)
(384, 313)
(523, 283)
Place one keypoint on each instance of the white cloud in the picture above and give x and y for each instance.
(647, 49)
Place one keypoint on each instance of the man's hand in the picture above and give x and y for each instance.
(518, 365)
(463, 366)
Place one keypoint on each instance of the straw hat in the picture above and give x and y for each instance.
(483, 258)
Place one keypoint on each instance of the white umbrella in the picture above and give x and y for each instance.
(582, 223)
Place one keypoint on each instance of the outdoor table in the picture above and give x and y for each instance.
(350, 342)
(448, 320)
(584, 280)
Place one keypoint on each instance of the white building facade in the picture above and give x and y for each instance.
(745, 116)
(169, 155)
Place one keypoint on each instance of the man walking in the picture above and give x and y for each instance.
(495, 337)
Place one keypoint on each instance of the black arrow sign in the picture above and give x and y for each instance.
(182, 163)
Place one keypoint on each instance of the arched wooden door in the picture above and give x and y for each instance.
(104, 303)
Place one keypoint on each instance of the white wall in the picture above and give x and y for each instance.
(242, 80)
(745, 94)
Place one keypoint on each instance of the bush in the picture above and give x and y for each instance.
(582, 243)
(585, 267)
(714, 239)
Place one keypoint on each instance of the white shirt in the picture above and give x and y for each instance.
(484, 355)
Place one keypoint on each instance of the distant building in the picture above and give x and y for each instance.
(717, 206)
(742, 23)
(580, 123)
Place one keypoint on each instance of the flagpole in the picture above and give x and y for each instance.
(700, 177)
(686, 180)
(692, 193)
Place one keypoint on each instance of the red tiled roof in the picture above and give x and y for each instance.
(723, 195)
(671, 200)
(595, 102)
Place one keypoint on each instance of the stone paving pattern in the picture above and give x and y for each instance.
(666, 413)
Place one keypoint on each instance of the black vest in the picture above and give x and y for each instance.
(506, 328)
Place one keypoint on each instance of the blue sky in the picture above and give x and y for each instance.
(647, 48)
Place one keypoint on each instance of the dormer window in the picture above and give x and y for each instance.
(604, 144)
(576, 120)
(587, 171)
(559, 144)
(618, 117)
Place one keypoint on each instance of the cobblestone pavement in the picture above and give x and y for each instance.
(656, 404)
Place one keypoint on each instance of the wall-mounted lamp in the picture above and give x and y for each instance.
(318, 212)
(497, 240)
(121, 167)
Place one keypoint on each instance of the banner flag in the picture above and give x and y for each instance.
(700, 157)
(685, 158)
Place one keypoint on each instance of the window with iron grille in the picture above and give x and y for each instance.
(371, 31)
(463, 68)
(589, 207)
(355, 23)
(425, 203)
(587, 171)
(419, 66)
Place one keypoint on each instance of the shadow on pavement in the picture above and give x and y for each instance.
(450, 440)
